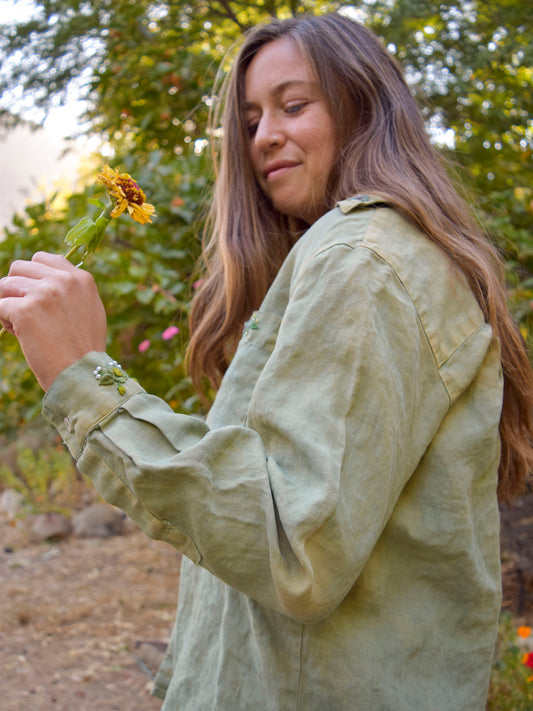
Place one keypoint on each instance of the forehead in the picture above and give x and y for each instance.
(277, 64)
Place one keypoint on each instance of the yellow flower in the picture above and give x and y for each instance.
(126, 195)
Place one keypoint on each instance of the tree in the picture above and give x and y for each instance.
(472, 65)
(146, 71)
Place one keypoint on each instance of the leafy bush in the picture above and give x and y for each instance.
(144, 274)
(511, 684)
(42, 471)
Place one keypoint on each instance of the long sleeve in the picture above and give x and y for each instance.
(332, 398)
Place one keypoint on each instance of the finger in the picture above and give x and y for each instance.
(7, 313)
(7, 325)
(15, 286)
(56, 261)
(33, 270)
(42, 264)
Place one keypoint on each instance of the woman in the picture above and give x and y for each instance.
(337, 510)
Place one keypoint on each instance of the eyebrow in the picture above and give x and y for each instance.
(283, 86)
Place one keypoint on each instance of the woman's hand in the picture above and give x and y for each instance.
(54, 310)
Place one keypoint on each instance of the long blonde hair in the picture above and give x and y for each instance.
(385, 150)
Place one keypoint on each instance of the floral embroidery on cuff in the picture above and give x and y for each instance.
(111, 374)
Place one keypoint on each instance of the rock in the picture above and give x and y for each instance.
(48, 526)
(98, 521)
(16, 534)
(129, 526)
(11, 502)
(149, 654)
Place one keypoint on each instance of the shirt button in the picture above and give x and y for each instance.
(68, 424)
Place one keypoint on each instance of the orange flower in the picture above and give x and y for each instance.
(524, 632)
(126, 195)
(527, 659)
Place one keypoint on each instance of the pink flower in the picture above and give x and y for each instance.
(198, 283)
(169, 333)
(144, 345)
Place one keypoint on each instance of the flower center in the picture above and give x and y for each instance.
(131, 190)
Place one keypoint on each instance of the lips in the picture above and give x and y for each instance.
(277, 168)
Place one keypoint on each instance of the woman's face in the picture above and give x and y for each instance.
(292, 133)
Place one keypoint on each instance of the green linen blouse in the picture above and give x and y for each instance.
(337, 509)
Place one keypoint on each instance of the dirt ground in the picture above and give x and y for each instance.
(82, 621)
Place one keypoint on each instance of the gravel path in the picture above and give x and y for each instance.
(82, 621)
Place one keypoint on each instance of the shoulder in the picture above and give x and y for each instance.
(371, 243)
(366, 221)
(365, 224)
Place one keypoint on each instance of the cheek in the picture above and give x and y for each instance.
(330, 150)
(324, 163)
(322, 142)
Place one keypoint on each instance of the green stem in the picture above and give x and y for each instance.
(72, 251)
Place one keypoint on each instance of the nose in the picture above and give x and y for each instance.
(269, 133)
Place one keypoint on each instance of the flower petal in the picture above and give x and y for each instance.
(126, 194)
(169, 333)
(119, 208)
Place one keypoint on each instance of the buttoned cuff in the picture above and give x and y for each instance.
(79, 400)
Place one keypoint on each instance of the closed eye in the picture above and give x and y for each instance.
(295, 108)
(289, 109)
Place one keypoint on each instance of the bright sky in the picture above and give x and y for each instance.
(15, 9)
(31, 162)
(30, 167)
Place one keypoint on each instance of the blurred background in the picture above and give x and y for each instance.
(130, 84)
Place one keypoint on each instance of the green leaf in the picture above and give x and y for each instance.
(96, 202)
(82, 233)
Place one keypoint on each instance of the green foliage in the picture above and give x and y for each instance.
(144, 275)
(151, 73)
(470, 63)
(141, 66)
(511, 684)
(45, 477)
(146, 71)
